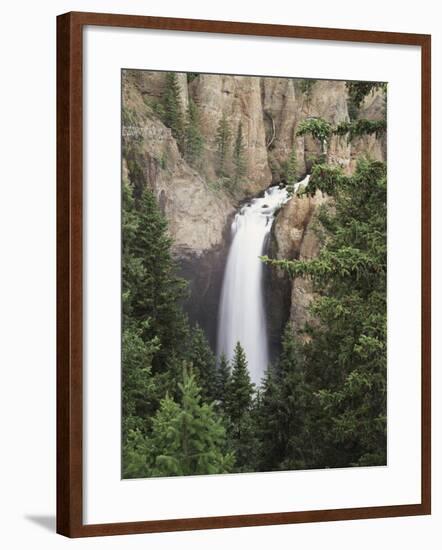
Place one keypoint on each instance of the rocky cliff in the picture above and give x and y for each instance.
(199, 207)
(294, 235)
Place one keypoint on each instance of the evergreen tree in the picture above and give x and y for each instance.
(191, 77)
(271, 436)
(223, 381)
(193, 136)
(203, 364)
(306, 86)
(138, 390)
(239, 159)
(345, 351)
(241, 389)
(151, 291)
(139, 345)
(358, 90)
(187, 437)
(291, 171)
(173, 109)
(238, 410)
(318, 128)
(150, 316)
(136, 453)
(286, 412)
(131, 264)
(139, 399)
(223, 138)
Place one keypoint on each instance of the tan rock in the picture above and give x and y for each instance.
(151, 84)
(197, 214)
(292, 230)
(239, 99)
(373, 108)
(297, 239)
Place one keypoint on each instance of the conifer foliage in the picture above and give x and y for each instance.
(240, 390)
(239, 158)
(151, 290)
(319, 128)
(154, 337)
(203, 362)
(193, 137)
(173, 109)
(291, 171)
(185, 125)
(187, 437)
(239, 411)
(343, 361)
(284, 411)
(223, 143)
(223, 375)
(322, 404)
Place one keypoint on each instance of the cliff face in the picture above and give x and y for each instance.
(372, 108)
(293, 233)
(295, 238)
(239, 99)
(198, 208)
(197, 214)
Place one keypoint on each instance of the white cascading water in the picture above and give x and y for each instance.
(242, 314)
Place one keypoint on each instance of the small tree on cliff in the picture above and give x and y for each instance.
(306, 85)
(173, 110)
(358, 90)
(223, 139)
(318, 128)
(239, 157)
(193, 136)
(291, 171)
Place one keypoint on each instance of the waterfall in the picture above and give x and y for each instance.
(242, 314)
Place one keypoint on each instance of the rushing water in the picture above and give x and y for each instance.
(242, 314)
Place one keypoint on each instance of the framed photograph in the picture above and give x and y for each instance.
(243, 276)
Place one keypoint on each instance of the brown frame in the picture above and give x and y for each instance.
(70, 266)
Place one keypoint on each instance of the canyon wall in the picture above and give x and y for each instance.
(199, 206)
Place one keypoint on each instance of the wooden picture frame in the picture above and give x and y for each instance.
(70, 272)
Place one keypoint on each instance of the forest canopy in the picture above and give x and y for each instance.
(322, 405)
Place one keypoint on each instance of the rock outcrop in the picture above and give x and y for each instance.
(373, 108)
(294, 234)
(295, 238)
(239, 99)
(197, 214)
